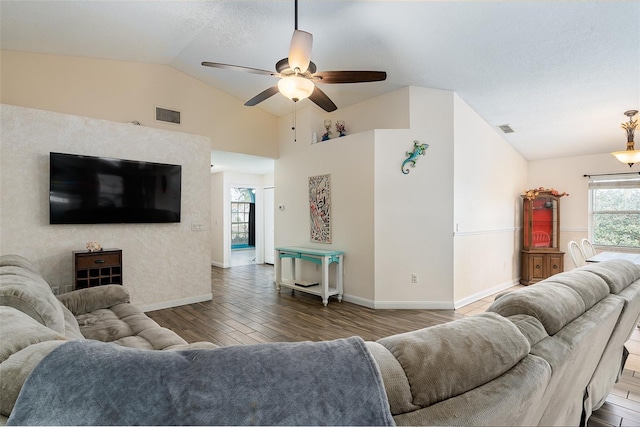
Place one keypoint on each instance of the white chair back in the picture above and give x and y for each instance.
(577, 256)
(587, 248)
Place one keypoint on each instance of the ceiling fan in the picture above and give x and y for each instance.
(298, 74)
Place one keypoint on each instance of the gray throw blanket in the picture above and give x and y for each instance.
(308, 383)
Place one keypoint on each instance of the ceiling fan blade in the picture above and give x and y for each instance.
(322, 100)
(239, 68)
(333, 77)
(262, 96)
(300, 50)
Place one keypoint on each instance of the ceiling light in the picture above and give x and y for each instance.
(300, 51)
(630, 155)
(296, 88)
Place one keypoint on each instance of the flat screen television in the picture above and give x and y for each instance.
(101, 190)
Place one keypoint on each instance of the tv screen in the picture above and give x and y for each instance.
(101, 190)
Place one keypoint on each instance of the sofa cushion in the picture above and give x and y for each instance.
(23, 343)
(19, 331)
(72, 330)
(17, 261)
(83, 301)
(513, 399)
(15, 370)
(591, 288)
(71, 327)
(34, 298)
(21, 271)
(617, 273)
(396, 383)
(127, 325)
(553, 304)
(530, 327)
(449, 359)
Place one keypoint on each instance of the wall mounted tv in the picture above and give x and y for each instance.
(101, 190)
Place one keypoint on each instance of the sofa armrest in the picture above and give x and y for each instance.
(83, 301)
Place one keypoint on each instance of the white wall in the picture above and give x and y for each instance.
(123, 91)
(349, 160)
(388, 111)
(392, 225)
(163, 264)
(489, 177)
(217, 219)
(414, 212)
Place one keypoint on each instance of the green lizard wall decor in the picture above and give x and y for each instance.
(412, 156)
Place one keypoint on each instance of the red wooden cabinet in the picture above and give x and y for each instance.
(540, 256)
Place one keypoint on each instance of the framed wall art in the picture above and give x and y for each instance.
(320, 208)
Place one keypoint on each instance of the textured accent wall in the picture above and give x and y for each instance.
(163, 264)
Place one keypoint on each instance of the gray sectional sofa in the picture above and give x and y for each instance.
(547, 354)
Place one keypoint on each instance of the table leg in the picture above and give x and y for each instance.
(339, 279)
(278, 271)
(325, 280)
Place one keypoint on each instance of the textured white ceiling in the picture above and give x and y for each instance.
(561, 73)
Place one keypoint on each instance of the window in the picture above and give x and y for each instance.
(243, 218)
(615, 211)
(240, 224)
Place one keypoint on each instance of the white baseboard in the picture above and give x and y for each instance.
(424, 305)
(477, 296)
(177, 302)
(415, 305)
(220, 265)
(428, 305)
(359, 301)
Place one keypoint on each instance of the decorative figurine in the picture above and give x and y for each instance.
(327, 126)
(412, 156)
(340, 127)
(93, 246)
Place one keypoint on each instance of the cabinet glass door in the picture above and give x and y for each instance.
(544, 223)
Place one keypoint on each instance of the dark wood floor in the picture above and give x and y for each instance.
(246, 309)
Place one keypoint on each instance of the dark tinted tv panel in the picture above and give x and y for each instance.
(101, 190)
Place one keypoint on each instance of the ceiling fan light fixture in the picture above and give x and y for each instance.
(296, 88)
(300, 51)
(629, 156)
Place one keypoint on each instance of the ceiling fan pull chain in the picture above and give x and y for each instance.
(294, 128)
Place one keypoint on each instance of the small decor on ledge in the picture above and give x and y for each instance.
(94, 247)
(340, 127)
(535, 192)
(412, 156)
(327, 126)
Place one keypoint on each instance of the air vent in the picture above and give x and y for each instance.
(169, 116)
(505, 129)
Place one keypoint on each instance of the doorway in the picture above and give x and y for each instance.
(243, 225)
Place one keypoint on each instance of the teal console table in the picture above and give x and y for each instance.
(318, 256)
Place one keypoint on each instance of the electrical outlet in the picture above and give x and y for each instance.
(55, 290)
(414, 278)
(196, 227)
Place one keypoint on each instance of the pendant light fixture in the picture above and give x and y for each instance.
(630, 155)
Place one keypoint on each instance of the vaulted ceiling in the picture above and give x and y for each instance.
(560, 73)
